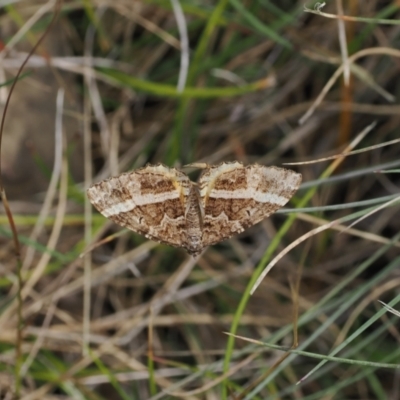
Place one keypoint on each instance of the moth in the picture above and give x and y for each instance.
(164, 205)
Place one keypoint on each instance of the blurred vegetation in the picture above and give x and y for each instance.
(177, 82)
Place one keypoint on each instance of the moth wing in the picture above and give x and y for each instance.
(150, 201)
(234, 197)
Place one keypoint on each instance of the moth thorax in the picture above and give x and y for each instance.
(193, 220)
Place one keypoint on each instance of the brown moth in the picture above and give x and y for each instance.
(164, 205)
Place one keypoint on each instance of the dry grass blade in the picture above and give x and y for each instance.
(339, 71)
(334, 157)
(381, 207)
(390, 309)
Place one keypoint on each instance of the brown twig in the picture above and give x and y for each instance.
(7, 209)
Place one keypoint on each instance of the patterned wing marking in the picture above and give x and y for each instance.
(235, 197)
(150, 201)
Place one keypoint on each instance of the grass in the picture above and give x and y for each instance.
(114, 316)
